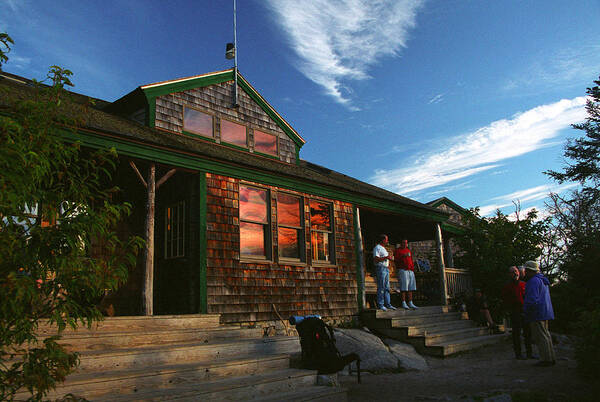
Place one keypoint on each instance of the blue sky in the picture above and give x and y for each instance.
(471, 100)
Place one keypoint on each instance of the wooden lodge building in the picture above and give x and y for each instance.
(239, 224)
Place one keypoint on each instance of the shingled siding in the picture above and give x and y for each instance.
(245, 291)
(216, 100)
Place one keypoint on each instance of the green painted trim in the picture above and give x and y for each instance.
(449, 227)
(297, 155)
(151, 112)
(448, 201)
(217, 78)
(184, 85)
(245, 85)
(199, 136)
(264, 155)
(227, 144)
(179, 159)
(359, 281)
(202, 245)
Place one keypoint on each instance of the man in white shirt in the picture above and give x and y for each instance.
(381, 259)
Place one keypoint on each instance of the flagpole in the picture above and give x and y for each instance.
(235, 66)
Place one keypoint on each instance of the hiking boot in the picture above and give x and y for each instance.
(405, 306)
(411, 305)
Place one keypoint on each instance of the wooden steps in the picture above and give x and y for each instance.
(433, 330)
(131, 358)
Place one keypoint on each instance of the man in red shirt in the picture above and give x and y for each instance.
(406, 274)
(512, 294)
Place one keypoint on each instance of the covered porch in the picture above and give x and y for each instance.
(439, 282)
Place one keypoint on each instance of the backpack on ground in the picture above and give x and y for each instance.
(318, 348)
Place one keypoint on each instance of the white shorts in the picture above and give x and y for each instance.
(407, 280)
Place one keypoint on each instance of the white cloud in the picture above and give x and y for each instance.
(524, 196)
(338, 40)
(436, 99)
(484, 149)
(561, 67)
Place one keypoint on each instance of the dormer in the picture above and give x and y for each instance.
(201, 107)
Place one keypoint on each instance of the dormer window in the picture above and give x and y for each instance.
(234, 133)
(197, 122)
(265, 143)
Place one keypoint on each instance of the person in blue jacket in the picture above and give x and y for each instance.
(537, 308)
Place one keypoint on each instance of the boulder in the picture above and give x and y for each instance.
(374, 354)
(408, 358)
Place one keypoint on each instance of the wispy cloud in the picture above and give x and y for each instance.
(484, 149)
(524, 196)
(561, 67)
(338, 40)
(436, 99)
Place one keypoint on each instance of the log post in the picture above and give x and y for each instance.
(360, 263)
(147, 292)
(441, 266)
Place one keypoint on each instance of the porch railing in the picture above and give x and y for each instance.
(458, 282)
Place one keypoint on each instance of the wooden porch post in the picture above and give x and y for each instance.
(360, 263)
(441, 266)
(151, 187)
(147, 292)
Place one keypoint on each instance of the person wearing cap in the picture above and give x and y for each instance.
(512, 295)
(537, 308)
(381, 259)
(406, 274)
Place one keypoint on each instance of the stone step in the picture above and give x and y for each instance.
(425, 319)
(408, 332)
(253, 387)
(400, 312)
(186, 353)
(443, 349)
(316, 393)
(87, 340)
(449, 335)
(128, 382)
(439, 327)
(143, 323)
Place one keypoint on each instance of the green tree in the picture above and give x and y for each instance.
(56, 211)
(577, 221)
(584, 152)
(491, 245)
(5, 43)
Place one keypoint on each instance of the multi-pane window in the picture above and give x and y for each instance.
(175, 230)
(321, 232)
(290, 230)
(197, 122)
(265, 143)
(233, 133)
(254, 222)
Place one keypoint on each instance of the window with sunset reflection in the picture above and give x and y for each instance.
(197, 122)
(290, 231)
(254, 222)
(265, 143)
(321, 232)
(233, 133)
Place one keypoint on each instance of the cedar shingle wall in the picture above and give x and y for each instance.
(217, 99)
(243, 291)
